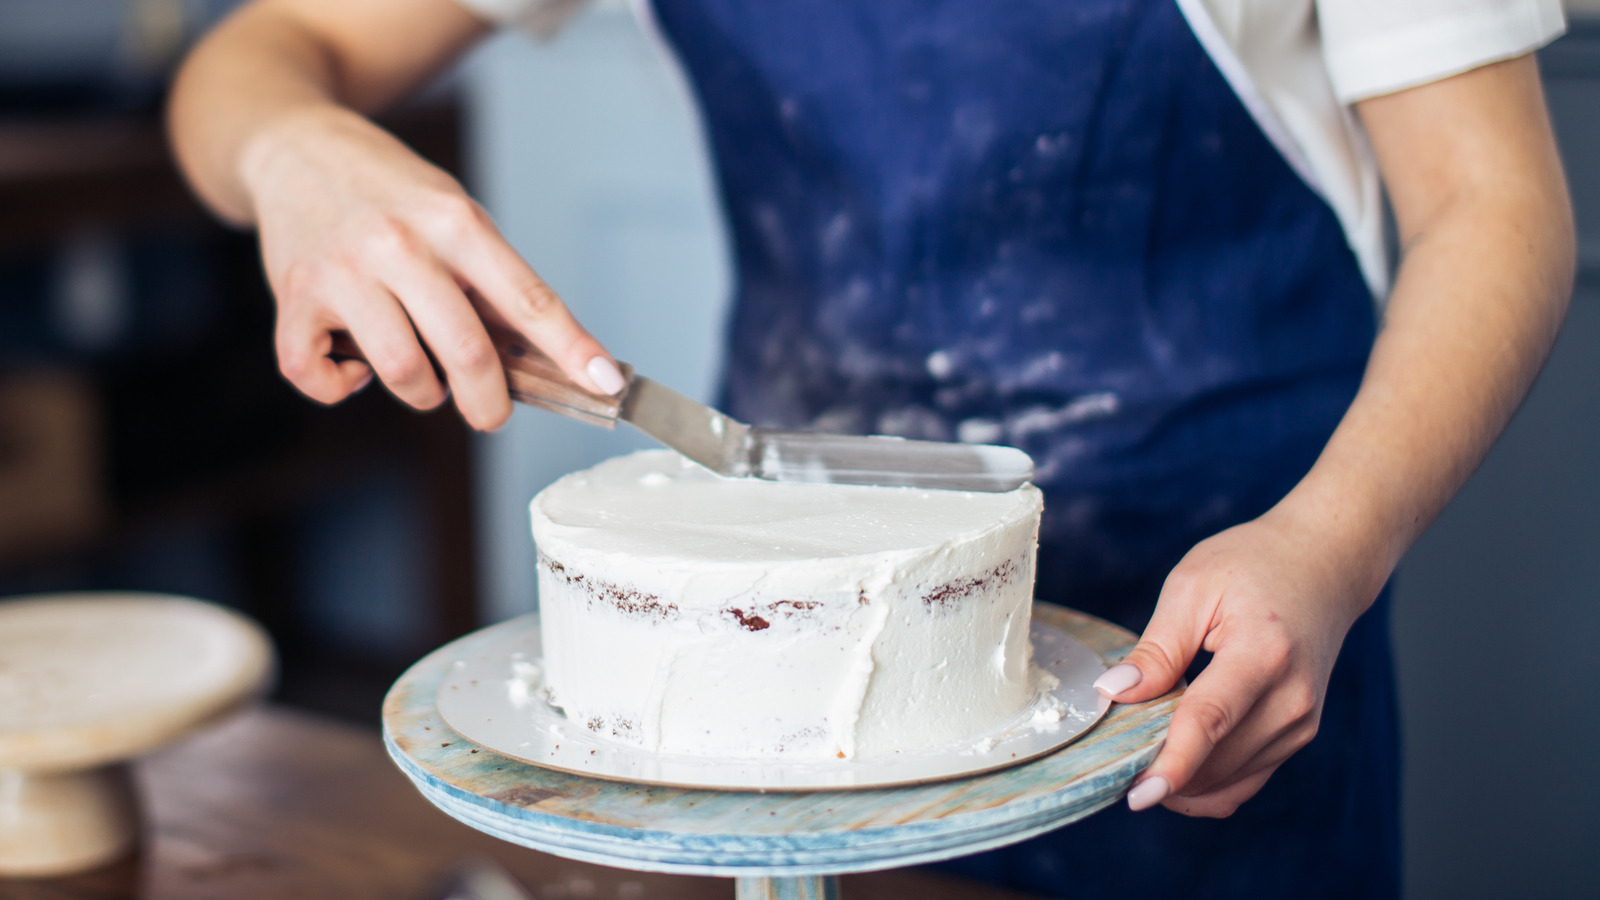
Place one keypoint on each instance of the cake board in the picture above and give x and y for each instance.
(778, 845)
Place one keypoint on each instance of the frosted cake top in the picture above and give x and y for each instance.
(656, 504)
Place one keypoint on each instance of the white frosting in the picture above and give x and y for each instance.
(696, 614)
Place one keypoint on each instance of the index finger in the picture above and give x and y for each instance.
(1214, 705)
(518, 296)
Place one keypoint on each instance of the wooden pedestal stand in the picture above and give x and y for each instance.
(89, 682)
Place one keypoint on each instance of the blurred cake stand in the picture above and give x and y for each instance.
(779, 845)
(88, 682)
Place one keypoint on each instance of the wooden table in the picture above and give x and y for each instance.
(280, 804)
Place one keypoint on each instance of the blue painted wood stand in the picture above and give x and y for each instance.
(779, 846)
(800, 887)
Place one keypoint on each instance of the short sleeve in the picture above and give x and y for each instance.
(1375, 47)
(540, 18)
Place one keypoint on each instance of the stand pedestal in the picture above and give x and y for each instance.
(68, 822)
(805, 887)
(780, 846)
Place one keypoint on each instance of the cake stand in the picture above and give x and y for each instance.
(779, 846)
(88, 682)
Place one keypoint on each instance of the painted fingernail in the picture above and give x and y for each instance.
(1148, 793)
(605, 375)
(1118, 678)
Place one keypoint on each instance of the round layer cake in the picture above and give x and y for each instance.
(690, 613)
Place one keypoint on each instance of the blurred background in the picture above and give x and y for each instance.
(147, 443)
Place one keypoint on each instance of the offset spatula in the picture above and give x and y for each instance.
(730, 447)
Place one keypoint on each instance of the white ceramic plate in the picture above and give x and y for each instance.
(474, 699)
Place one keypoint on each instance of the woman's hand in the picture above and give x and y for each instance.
(1472, 169)
(1272, 599)
(359, 234)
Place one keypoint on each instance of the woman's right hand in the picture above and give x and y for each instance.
(360, 234)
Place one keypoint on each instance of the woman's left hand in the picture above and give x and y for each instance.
(1272, 600)
(1471, 166)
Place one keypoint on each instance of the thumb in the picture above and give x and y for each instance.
(1165, 650)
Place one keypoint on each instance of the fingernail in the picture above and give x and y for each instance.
(1148, 793)
(362, 384)
(1118, 678)
(605, 375)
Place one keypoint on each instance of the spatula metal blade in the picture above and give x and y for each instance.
(729, 447)
(718, 442)
(808, 456)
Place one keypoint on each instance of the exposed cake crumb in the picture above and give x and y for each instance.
(625, 600)
(948, 595)
(761, 616)
(750, 621)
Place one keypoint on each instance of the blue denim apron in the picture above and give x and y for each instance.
(1054, 225)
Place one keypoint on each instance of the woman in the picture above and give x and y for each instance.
(1137, 238)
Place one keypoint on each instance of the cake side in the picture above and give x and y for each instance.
(870, 642)
(957, 657)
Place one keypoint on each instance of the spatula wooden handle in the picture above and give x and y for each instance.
(533, 378)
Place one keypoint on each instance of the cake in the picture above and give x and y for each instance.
(689, 613)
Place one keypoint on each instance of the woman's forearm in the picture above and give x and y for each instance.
(275, 64)
(239, 84)
(1483, 286)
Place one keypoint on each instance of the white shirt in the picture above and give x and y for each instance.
(1297, 65)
